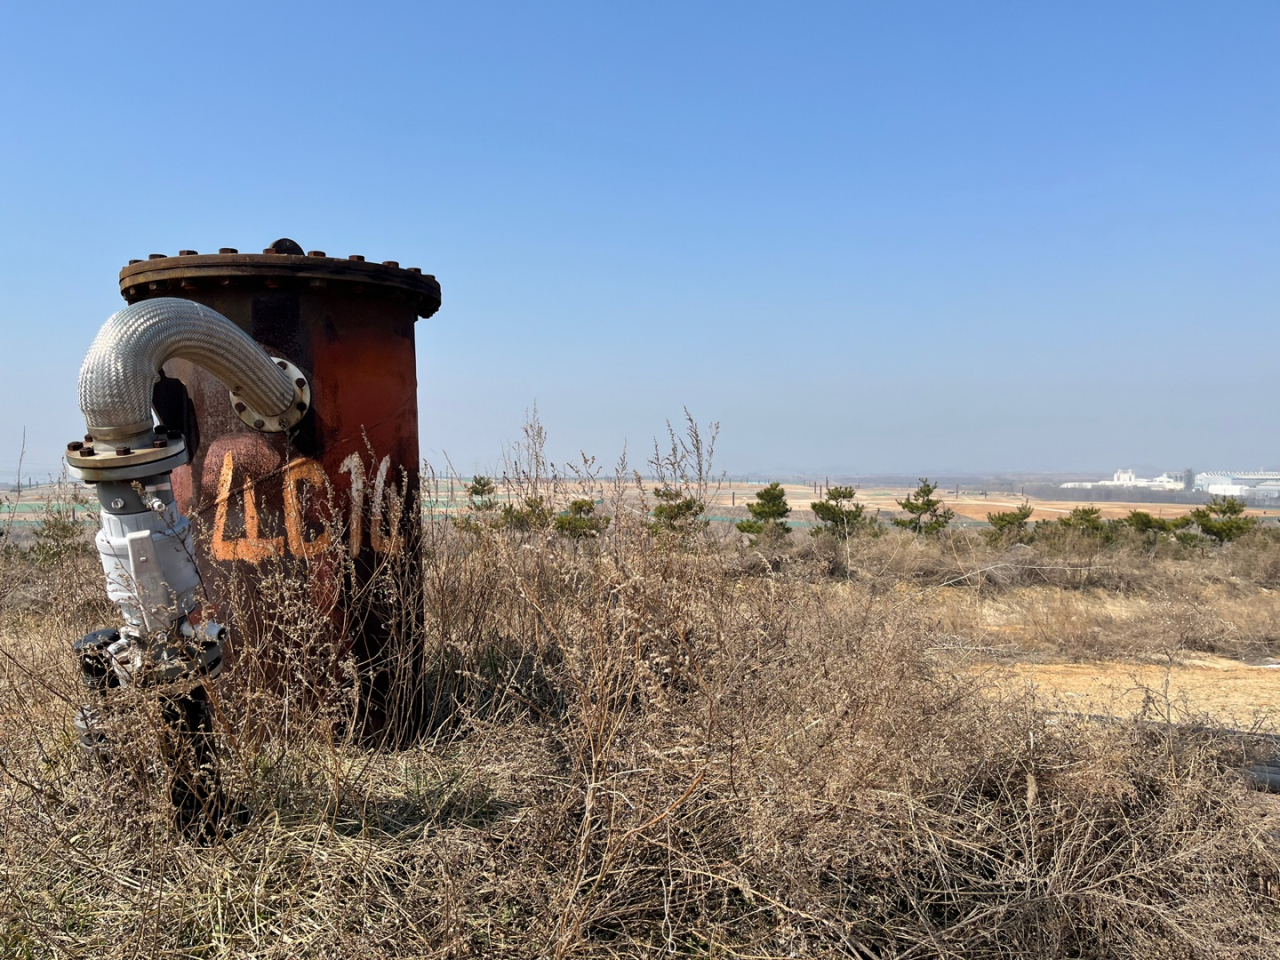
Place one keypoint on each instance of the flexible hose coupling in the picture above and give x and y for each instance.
(124, 363)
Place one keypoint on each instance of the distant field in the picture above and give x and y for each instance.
(968, 505)
(728, 503)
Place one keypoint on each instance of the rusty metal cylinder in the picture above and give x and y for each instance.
(348, 326)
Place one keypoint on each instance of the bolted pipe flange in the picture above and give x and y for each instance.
(290, 418)
(94, 464)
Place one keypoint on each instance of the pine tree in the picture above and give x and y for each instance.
(480, 493)
(580, 521)
(481, 490)
(677, 513)
(838, 519)
(1144, 522)
(533, 514)
(1083, 522)
(1223, 519)
(1087, 519)
(768, 512)
(927, 515)
(1010, 526)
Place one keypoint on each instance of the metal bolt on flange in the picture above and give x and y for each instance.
(159, 455)
(284, 264)
(276, 421)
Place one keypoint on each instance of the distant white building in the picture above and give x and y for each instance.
(1127, 478)
(1267, 489)
(1228, 490)
(1243, 483)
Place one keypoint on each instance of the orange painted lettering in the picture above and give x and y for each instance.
(251, 547)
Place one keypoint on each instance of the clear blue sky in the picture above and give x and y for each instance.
(864, 236)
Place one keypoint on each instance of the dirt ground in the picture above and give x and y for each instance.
(1217, 689)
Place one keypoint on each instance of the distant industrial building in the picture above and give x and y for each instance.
(1245, 484)
(1127, 478)
(1251, 484)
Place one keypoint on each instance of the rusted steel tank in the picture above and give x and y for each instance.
(263, 489)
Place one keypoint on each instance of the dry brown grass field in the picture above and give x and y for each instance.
(670, 742)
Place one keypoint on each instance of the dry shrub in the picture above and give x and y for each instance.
(1072, 595)
(624, 747)
(1183, 621)
(962, 557)
(1255, 558)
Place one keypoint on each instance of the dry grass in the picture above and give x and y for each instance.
(643, 745)
(1075, 597)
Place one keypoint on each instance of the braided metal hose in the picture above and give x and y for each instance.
(124, 362)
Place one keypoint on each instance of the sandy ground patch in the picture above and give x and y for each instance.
(1229, 691)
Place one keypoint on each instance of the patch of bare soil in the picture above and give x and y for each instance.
(1230, 692)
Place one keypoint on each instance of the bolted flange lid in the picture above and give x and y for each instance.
(282, 264)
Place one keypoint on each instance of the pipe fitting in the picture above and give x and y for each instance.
(125, 360)
(275, 423)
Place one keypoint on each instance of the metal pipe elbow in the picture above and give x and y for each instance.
(124, 362)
